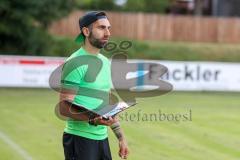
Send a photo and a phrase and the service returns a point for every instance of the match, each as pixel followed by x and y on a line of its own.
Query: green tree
pixel 157 6
pixel 24 23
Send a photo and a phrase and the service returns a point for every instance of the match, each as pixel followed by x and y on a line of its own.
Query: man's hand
pixel 123 149
pixel 101 121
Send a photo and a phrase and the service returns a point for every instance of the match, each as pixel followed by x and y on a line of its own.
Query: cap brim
pixel 80 38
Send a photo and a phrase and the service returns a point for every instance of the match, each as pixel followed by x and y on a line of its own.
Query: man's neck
pixel 90 49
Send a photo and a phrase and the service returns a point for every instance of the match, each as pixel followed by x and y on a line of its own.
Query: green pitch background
pixel 27 118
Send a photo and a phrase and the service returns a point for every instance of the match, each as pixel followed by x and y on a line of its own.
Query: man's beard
pixel 96 42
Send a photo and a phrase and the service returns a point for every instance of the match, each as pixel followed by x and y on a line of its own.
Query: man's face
pixel 99 33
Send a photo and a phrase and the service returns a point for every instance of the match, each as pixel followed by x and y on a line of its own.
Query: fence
pixel 160 27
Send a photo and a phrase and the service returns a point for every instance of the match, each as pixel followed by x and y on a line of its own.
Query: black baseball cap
pixel 88 19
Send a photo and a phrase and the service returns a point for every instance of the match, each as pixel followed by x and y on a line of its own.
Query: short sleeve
pixel 72 75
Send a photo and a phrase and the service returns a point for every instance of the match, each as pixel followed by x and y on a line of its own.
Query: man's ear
pixel 85 31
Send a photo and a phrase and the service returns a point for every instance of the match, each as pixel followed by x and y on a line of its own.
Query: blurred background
pixel 197 40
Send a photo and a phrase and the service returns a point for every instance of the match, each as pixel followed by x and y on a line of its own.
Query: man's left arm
pixel 123 147
pixel 116 128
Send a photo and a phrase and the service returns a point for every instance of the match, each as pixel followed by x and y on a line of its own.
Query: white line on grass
pixel 15 146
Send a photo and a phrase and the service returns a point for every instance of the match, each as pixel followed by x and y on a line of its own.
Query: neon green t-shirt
pixel 83 71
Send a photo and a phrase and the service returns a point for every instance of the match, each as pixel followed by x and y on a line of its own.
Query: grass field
pixel 159 50
pixel 27 119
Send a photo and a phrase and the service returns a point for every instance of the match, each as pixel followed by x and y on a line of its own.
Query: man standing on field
pixel 85 136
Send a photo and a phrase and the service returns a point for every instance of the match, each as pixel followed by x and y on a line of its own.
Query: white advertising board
pixel 27 71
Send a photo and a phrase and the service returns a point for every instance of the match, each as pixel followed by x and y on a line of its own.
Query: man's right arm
pixel 67 110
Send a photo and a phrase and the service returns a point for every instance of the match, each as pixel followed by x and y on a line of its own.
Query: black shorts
pixel 80 148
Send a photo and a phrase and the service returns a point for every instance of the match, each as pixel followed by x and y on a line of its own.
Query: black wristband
pixel 91 120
